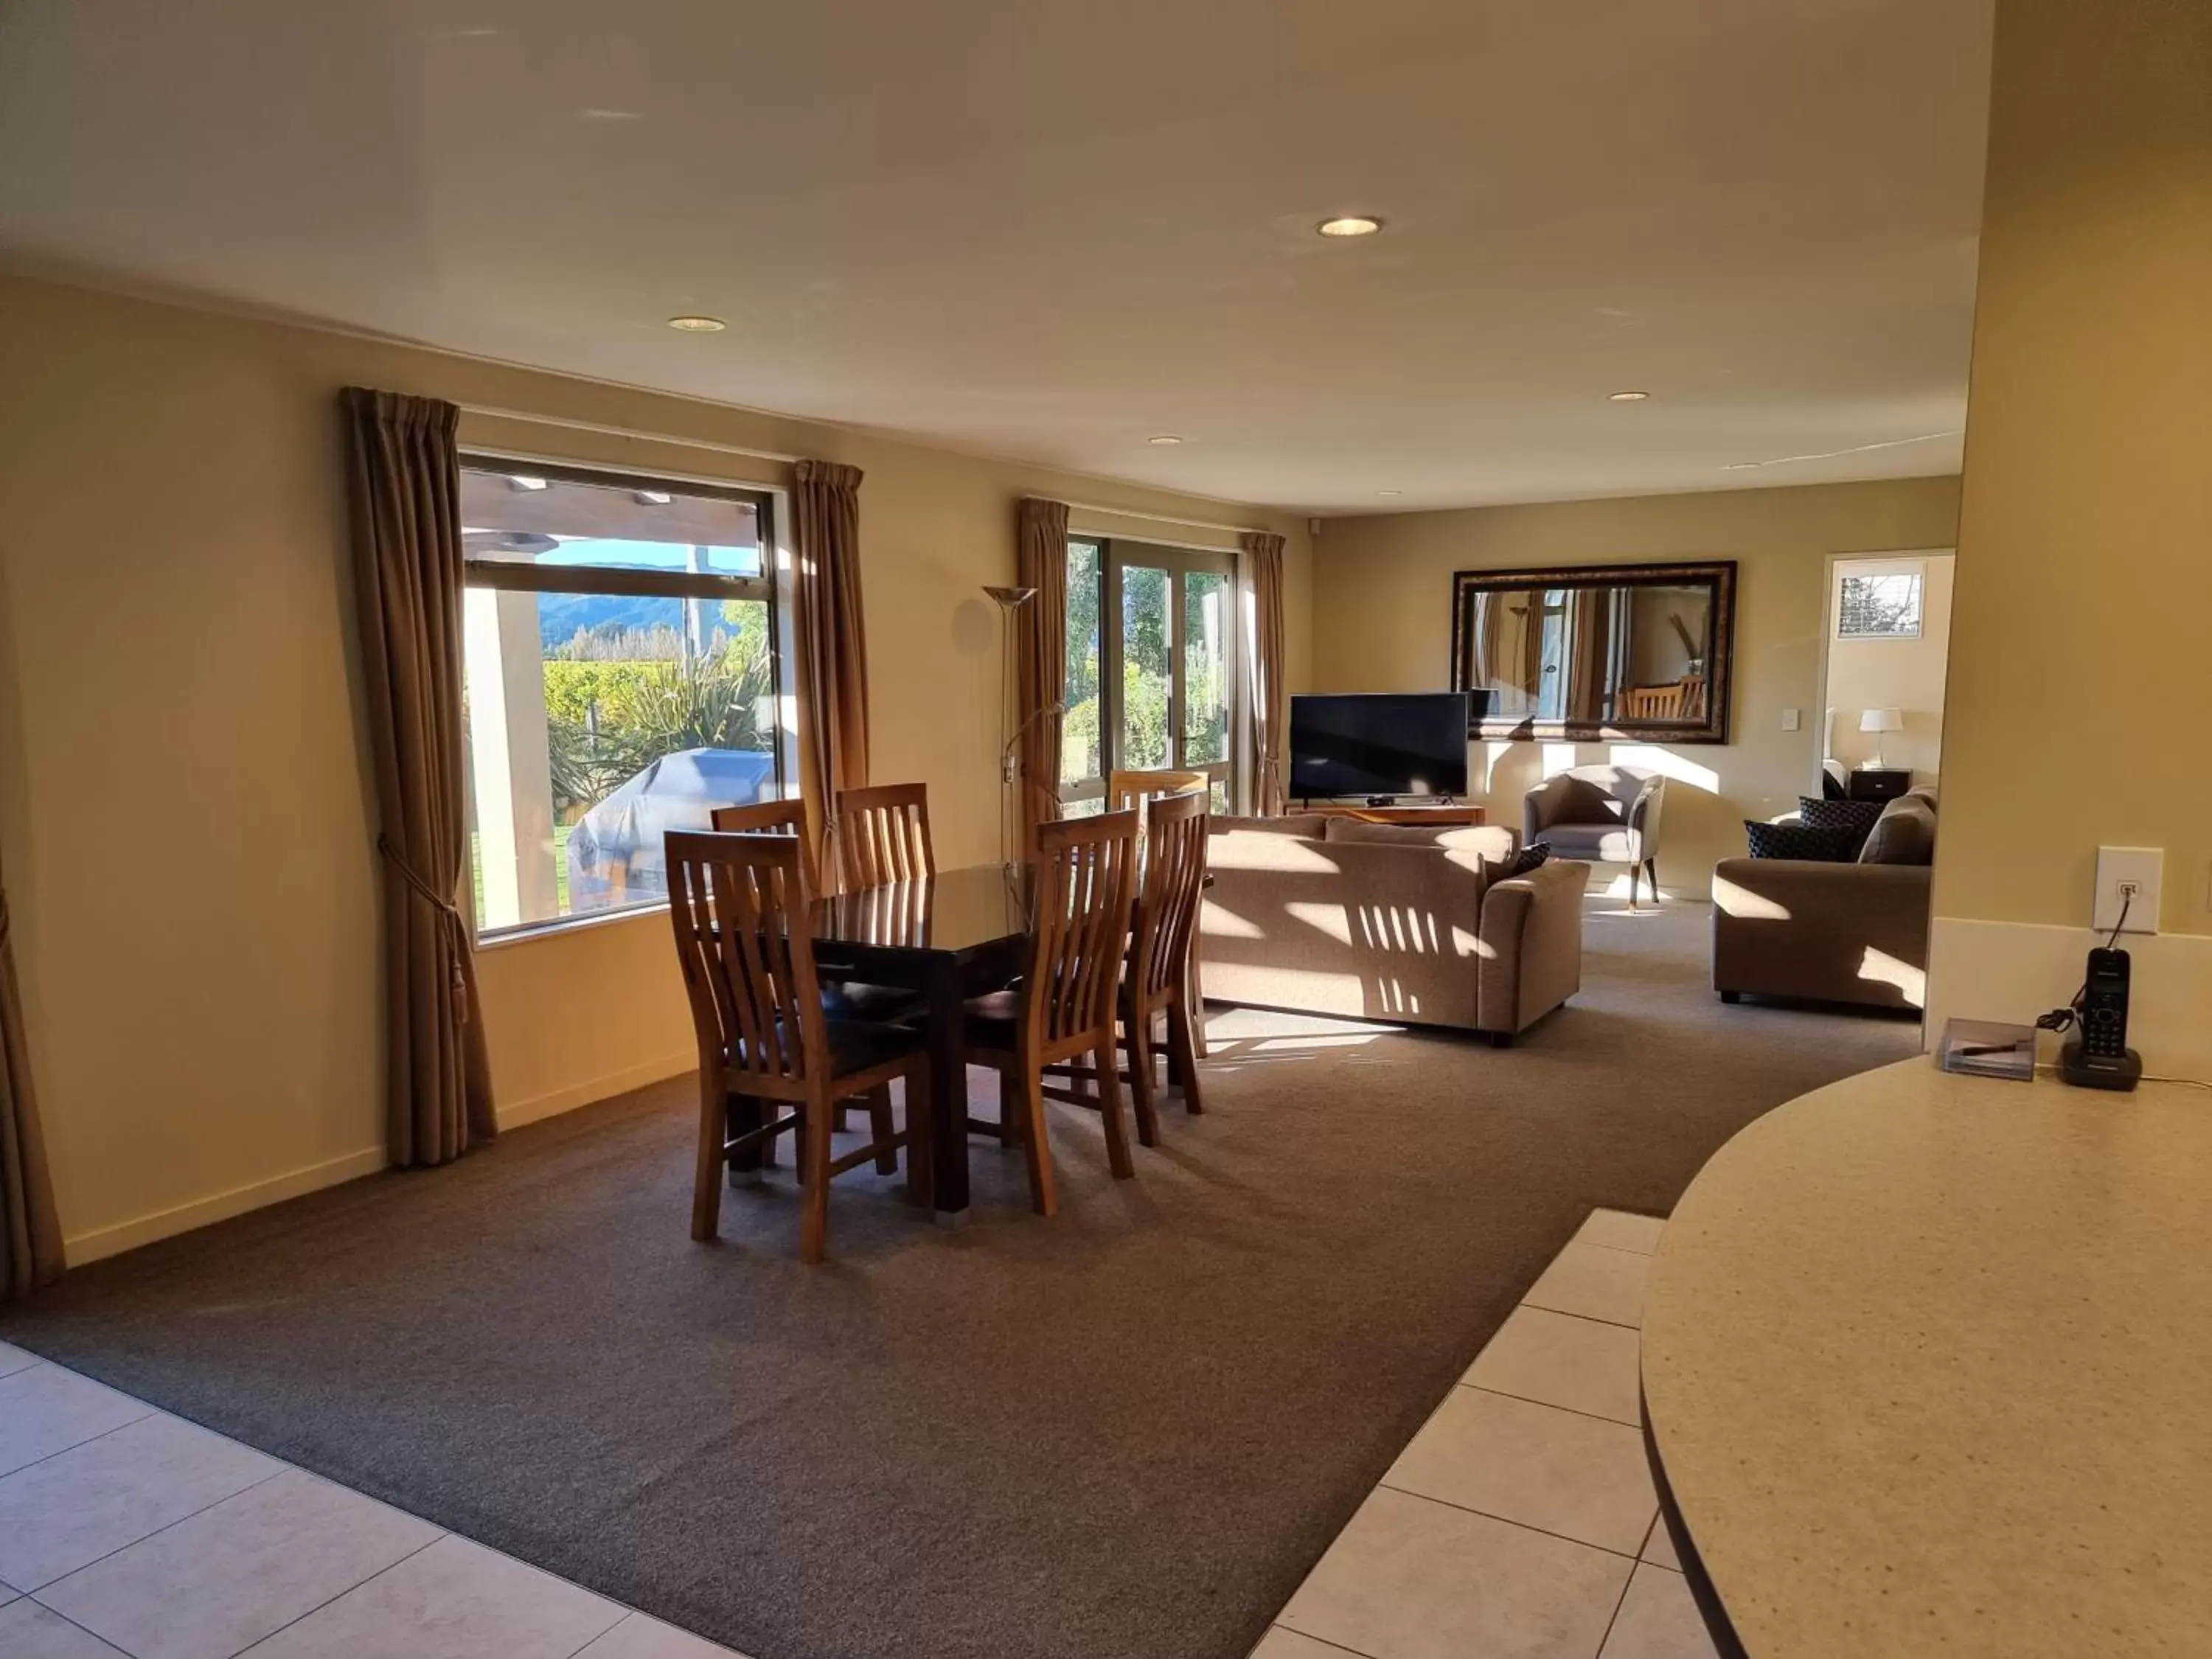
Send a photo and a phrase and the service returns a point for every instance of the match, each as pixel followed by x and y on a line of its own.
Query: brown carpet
pixel 1126 1432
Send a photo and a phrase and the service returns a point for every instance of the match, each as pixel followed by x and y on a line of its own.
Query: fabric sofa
pixel 1331 916
pixel 1855 932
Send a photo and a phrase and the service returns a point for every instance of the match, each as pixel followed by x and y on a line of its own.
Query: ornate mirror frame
pixel 1717 576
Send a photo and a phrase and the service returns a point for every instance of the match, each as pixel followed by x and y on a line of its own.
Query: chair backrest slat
pixel 1084 878
pixel 772 818
pixel 741 906
pixel 1174 884
pixel 1127 788
pixel 883 835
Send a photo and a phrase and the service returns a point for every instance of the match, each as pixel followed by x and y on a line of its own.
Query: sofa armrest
pixel 1531 955
pixel 1845 933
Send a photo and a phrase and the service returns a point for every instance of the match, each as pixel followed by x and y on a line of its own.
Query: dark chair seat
pixel 879 1003
pixel 994 1019
pixel 858 1045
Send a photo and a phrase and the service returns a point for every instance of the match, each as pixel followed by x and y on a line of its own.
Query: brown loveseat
pixel 1330 916
pixel 1831 933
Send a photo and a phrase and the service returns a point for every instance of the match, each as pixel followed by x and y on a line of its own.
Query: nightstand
pixel 1877 782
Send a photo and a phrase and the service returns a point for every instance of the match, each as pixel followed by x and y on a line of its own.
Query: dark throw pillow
pixel 1533 856
pixel 1802 841
pixel 1857 816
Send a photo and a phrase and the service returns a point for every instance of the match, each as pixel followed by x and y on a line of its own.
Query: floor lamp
pixel 1009 600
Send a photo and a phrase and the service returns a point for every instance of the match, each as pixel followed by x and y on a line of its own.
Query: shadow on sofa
pixel 1848 932
pixel 1332 916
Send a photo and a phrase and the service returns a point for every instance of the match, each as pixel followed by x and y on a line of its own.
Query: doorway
pixel 1887 646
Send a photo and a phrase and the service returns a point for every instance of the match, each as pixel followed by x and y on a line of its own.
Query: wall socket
pixel 2127 882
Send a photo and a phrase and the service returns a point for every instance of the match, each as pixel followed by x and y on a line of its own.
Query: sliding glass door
pixel 1151 668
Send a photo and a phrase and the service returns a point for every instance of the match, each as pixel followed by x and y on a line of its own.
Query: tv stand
pixel 1438 814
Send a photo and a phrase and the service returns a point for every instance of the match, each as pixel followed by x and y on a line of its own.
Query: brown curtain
pixel 30 1230
pixel 1040 656
pixel 833 644
pixel 1588 674
pixel 1271 691
pixel 403 482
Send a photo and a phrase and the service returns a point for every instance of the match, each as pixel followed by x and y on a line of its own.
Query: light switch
pixel 2127 882
pixel 1789 720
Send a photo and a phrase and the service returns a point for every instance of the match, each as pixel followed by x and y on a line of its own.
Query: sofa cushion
pixel 1528 858
pixel 1607 843
pixel 1857 816
pixel 1308 824
pixel 1904 834
pixel 1832 844
pixel 1494 843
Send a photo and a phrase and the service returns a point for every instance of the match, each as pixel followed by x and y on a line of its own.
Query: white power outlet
pixel 2127 882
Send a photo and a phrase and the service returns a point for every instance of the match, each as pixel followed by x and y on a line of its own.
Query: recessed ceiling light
pixel 652 497
pixel 1626 397
pixel 1389 492
pixel 1163 440
pixel 1351 224
pixel 521 482
pixel 697 325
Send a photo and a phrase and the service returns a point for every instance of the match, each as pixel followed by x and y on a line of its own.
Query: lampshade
pixel 1882 720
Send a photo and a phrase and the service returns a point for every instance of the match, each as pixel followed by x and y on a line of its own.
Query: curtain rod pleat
pixel 606 431
pixel 1165 517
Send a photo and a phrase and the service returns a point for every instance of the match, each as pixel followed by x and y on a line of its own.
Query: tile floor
pixel 126 1531
pixel 1520 1522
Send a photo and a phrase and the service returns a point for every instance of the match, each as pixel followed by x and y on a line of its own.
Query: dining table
pixel 951 936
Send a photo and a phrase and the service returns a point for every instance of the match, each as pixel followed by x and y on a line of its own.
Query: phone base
pixel 2079 1068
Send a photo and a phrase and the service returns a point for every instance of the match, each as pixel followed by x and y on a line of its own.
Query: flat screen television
pixel 1378 744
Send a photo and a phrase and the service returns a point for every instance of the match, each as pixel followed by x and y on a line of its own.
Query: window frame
pixel 1179 562
pixel 508 576
pixel 1913 571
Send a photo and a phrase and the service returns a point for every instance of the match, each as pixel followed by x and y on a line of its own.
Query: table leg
pixel 948 1094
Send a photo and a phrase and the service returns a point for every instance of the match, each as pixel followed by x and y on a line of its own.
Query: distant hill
pixel 562 616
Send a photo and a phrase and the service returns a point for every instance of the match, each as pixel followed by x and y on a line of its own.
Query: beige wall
pixel 1382 608
pixel 184 808
pixel 2079 697
pixel 1904 674
pixel 2079 691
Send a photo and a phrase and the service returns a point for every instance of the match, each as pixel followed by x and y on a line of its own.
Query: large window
pixel 1151 668
pixel 620 649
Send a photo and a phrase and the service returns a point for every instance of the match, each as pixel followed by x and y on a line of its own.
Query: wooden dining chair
pixel 1128 788
pixel 772 818
pixel 1083 875
pixel 1159 984
pixel 740 905
pixel 1137 789
pixel 845 998
pixel 883 835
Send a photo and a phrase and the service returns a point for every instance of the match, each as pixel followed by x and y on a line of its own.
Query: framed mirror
pixel 1596 653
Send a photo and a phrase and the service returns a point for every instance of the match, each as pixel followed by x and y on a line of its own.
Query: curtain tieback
pixel 456 931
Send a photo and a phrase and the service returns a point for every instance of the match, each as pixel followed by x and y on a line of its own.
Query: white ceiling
pixel 1050 230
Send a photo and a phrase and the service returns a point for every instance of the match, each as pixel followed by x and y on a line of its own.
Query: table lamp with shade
pixel 1879 721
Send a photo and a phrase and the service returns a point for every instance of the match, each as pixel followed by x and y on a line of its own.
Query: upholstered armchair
pixel 1602 815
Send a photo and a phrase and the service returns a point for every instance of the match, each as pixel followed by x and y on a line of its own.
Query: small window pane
pixel 597 723
pixel 1079 735
pixel 1205 668
pixel 1144 667
pixel 518 518
pixel 1884 606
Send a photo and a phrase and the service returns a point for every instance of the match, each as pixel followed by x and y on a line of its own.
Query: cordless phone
pixel 2100 1057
